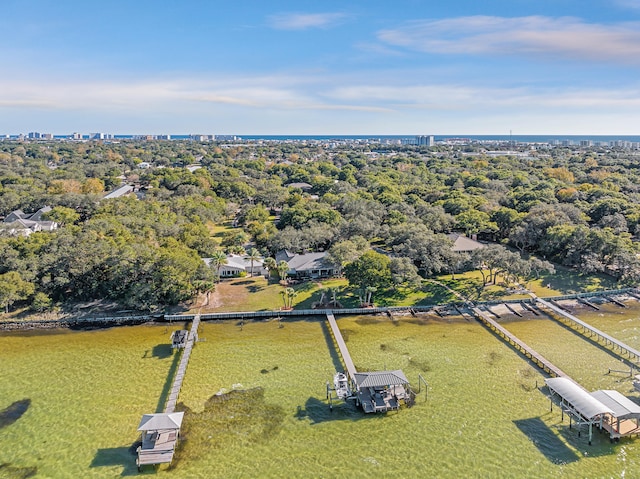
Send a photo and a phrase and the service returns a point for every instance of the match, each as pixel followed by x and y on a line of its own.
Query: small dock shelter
pixel 179 338
pixel 608 410
pixel 159 437
pixel 381 391
pixel 378 391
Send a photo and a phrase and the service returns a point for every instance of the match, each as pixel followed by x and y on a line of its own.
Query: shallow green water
pixel 483 416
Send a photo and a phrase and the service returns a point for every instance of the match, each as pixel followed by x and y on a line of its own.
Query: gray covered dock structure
pixel 377 391
pixel 608 410
pixel 381 391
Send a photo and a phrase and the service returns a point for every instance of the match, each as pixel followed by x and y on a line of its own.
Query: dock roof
pixel 380 379
pixel 621 406
pixel 161 421
pixel 581 400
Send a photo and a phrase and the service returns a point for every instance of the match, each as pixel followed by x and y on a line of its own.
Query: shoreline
pixel 447 312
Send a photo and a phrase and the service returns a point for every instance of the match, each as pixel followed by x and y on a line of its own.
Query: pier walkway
pixel 160 432
pixel 608 340
pixel 344 352
pixel 538 359
pixel 182 368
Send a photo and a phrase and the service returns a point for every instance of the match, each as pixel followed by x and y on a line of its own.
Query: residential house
pixel 308 265
pixel 19 223
pixel 463 244
pixel 117 193
pixel 238 265
pixel 300 185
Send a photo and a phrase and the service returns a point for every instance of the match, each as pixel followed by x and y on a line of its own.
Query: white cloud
pixel 304 21
pixel 309 103
pixel 469 97
pixel 564 37
pixel 267 92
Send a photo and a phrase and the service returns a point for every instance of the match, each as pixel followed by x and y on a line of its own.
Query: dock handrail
pixel 182 368
pixel 537 358
pixel 344 351
pixel 606 337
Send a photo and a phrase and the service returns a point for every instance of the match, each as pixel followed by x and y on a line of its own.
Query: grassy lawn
pixel 563 281
pixel 255 294
pixel 217 230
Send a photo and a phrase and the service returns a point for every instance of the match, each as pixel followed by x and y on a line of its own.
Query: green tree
pixel 372 269
pixel 404 273
pixel 13 288
pixel 41 302
pixel 62 215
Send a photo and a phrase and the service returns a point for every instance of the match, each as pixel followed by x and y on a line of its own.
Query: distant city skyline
pixel 308 68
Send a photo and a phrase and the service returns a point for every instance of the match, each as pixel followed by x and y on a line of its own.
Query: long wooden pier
pixel 344 351
pixel 608 340
pixel 160 431
pixel 182 368
pixel 535 357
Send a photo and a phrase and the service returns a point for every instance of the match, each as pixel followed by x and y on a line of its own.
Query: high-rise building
pixel 425 140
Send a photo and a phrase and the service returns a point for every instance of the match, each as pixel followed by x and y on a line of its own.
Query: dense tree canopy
pixel 576 207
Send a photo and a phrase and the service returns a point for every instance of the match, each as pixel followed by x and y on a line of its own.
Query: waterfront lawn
pixel 258 293
pixel 563 281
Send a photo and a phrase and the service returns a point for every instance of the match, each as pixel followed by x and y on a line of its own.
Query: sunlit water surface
pixel 482 417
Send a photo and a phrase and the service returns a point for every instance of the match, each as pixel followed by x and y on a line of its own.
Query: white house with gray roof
pixel 237 265
pixel 308 265
pixel 19 223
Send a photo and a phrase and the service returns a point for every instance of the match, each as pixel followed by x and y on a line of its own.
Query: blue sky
pixel 303 67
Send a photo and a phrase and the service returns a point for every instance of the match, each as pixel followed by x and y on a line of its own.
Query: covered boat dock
pixel 608 410
pixel 378 391
pixel 381 391
pixel 160 431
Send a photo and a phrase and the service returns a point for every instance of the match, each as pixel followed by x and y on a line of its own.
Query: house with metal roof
pixel 118 192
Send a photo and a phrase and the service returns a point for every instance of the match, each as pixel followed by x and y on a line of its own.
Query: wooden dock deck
pixel 344 351
pixel 182 368
pixel 607 340
pixel 535 357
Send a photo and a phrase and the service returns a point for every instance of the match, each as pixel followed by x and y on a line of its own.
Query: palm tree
pixel 253 255
pixel 283 268
pixel 369 293
pixel 270 264
pixel 334 292
pixel 291 293
pixel 218 259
